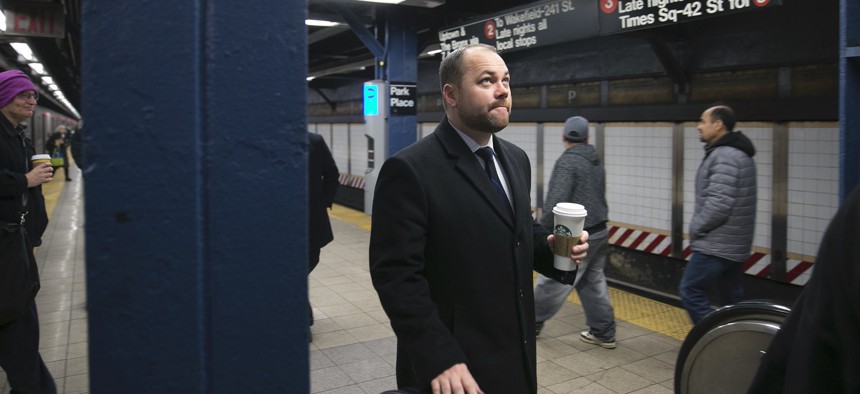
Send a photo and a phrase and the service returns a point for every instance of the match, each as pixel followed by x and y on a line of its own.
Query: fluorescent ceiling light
pixel 384 1
pixel 39 68
pixel 311 78
pixel 47 80
pixel 433 52
pixel 2 20
pixel 24 50
pixel 321 23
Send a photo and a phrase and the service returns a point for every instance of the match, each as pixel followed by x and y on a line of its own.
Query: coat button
pixel 521 294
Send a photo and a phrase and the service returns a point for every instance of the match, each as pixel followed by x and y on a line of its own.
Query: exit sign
pixel 35 20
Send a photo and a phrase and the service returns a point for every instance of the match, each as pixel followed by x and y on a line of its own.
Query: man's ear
pixel 449 95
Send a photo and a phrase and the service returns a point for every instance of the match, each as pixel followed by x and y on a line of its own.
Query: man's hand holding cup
pixel 569 240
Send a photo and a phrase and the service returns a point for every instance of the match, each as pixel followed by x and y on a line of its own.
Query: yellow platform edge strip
pixel 634 309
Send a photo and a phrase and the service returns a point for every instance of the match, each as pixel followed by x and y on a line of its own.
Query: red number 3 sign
pixel 608 6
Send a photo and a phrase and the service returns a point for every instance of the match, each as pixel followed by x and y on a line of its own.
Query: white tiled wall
pixel 358 161
pixel 813 186
pixel 638 160
pixel 340 146
pixel 524 135
pixel 552 149
pixel 425 129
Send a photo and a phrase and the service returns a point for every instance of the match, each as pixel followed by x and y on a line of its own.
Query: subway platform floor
pixel 353 348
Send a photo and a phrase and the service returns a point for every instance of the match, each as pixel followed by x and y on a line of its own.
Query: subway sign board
pixel 555 21
pixel 402 98
pixel 618 16
pixel 537 24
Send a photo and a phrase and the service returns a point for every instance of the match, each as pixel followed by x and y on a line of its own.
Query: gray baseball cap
pixel 576 128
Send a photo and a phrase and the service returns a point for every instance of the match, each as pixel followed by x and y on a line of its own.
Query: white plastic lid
pixel 569 209
pixel 37 157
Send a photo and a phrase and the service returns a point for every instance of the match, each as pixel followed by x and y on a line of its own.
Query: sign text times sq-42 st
pixel 555 21
pixel 617 16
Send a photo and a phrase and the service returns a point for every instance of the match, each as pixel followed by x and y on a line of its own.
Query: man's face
pixel 21 107
pixel 482 100
pixel 710 130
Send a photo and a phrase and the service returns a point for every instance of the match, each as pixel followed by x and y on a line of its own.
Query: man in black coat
pixel 21 201
pixel 56 146
pixel 453 244
pixel 817 349
pixel 322 188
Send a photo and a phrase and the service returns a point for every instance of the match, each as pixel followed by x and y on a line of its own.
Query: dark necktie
pixel 486 153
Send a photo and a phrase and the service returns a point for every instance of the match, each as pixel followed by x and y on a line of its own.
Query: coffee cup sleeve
pixel 563 245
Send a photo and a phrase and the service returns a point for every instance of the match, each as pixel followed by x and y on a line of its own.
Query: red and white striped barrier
pixel 353 181
pixel 758 264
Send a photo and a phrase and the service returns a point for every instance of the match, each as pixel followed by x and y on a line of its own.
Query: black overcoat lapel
pixel 467 164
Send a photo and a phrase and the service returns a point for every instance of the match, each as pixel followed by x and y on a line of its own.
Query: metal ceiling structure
pixel 337 57
pixel 61 56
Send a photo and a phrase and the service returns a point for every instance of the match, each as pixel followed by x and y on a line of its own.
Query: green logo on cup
pixel 561 229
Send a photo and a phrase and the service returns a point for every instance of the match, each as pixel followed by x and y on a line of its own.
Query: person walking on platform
pixel 721 229
pixel 817 348
pixel 56 147
pixel 322 188
pixel 23 219
pixel 578 176
pixel 453 245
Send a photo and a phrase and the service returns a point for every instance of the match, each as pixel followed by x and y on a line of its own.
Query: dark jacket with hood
pixel 724 218
pixel 578 177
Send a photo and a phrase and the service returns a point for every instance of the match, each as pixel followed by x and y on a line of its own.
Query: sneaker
pixel 587 337
pixel 538 327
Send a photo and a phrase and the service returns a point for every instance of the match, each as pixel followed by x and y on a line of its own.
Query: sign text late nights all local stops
pixel 536 24
pixel 555 21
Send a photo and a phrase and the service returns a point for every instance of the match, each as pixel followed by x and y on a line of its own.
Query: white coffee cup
pixel 39 159
pixel 569 221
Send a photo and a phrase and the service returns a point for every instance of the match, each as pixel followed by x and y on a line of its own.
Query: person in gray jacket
pixel 579 177
pixel 721 230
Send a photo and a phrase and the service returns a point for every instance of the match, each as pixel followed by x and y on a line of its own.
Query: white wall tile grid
pixel 638 159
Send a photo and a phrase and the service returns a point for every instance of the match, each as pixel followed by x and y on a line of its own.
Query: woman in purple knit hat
pixel 22 221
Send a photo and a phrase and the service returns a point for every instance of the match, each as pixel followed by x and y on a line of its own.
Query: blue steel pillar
pixel 401 66
pixel 849 96
pixel 196 195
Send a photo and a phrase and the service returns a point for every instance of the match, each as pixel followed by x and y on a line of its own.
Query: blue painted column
pixel 196 195
pixel 401 66
pixel 849 96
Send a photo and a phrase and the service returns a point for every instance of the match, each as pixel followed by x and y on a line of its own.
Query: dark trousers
pixel 20 358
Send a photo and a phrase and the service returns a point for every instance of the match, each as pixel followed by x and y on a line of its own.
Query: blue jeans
pixel 590 286
pixel 702 273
